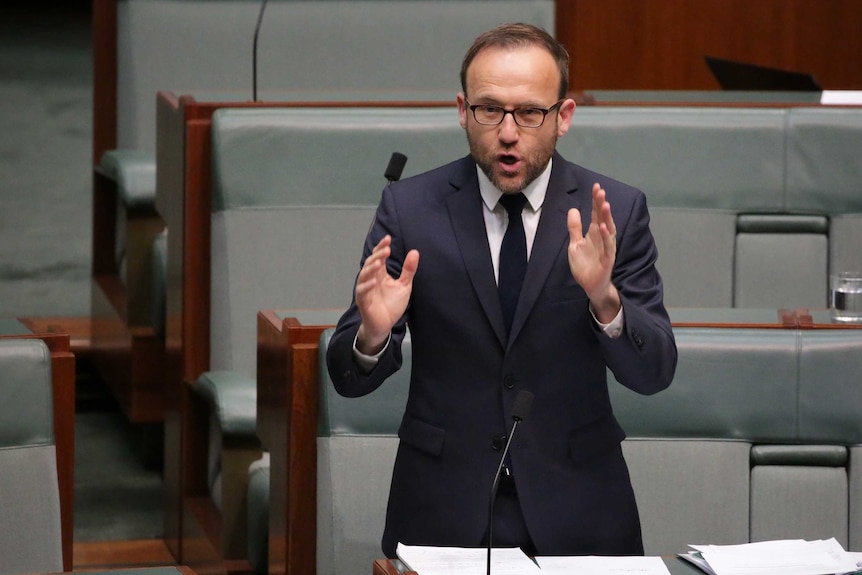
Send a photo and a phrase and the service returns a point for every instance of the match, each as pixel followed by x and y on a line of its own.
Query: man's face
pixel 510 155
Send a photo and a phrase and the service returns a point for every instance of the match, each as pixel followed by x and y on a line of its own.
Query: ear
pixel 564 116
pixel 462 109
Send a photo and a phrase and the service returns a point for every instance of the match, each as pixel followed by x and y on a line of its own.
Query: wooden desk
pixel 63 386
pixel 675 565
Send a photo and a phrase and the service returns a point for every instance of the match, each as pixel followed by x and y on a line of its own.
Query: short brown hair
pixel 519 35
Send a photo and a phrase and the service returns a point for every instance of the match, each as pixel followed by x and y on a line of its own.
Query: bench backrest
pixel 30 526
pixel 294 195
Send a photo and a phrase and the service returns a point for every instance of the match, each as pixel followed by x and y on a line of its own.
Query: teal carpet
pixel 45 157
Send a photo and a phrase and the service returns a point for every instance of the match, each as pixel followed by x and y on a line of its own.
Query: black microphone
pixel 254 52
pixel 395 167
pixel 520 411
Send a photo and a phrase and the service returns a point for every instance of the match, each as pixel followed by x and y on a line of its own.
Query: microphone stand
pixel 494 486
pixel 254 51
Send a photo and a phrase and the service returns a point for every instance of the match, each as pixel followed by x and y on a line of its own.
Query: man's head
pixel 511 36
pixel 513 78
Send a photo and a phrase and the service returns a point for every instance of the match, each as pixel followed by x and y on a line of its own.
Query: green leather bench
pixel 751 207
pixel 295 189
pixel 759 437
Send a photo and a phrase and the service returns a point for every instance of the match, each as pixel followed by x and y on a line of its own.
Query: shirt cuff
pixel 368 362
pixel 614 328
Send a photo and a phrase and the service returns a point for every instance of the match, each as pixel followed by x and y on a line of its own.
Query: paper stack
pixel 781 557
pixel 428 560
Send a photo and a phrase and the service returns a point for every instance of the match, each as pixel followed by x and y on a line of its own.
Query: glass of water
pixel 845 299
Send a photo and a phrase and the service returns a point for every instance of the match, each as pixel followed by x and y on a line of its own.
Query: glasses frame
pixel 513 111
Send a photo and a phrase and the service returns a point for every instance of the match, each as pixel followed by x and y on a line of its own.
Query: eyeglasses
pixel 526 117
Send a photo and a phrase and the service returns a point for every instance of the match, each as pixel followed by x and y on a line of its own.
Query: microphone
pixel 392 173
pixel 254 51
pixel 520 411
pixel 395 167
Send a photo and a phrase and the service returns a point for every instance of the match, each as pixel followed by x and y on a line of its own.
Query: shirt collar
pixel 535 191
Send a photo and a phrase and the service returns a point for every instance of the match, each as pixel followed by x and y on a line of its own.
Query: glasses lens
pixel 529 117
pixel 491 115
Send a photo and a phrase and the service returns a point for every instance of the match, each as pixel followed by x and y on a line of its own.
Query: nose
pixel 508 128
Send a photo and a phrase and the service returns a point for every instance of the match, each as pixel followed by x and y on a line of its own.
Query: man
pixel 587 302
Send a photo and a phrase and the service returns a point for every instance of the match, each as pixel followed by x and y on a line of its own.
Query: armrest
pixel 134 171
pixel 233 398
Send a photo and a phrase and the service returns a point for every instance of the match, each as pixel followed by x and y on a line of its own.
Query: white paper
pixel 841 97
pixel 428 560
pixel 781 557
pixel 596 565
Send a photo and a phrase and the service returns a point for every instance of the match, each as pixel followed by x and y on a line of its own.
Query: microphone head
pixel 522 405
pixel 395 167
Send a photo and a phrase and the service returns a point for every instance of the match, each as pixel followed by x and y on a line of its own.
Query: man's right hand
pixel 382 299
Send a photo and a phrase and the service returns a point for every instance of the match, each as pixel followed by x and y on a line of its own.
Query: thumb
pixel 573 222
pixel 408 269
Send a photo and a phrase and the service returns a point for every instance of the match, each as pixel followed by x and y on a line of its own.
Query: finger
pixel 608 220
pixel 598 200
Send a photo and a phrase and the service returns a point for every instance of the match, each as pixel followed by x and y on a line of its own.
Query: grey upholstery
pixel 30 529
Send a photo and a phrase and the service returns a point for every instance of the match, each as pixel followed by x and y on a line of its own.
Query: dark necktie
pixel 513 256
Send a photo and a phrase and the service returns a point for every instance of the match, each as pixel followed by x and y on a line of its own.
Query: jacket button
pixel 499 442
pixel 509 381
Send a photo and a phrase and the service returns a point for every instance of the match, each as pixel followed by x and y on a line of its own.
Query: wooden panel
pixel 660 45
pixel 288 361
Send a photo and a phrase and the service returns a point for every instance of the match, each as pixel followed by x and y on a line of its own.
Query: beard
pixel 533 163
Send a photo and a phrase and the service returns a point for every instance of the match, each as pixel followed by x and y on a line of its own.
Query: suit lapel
pixel 552 236
pixel 465 211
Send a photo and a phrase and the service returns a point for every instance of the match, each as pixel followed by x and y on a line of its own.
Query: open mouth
pixel 508 160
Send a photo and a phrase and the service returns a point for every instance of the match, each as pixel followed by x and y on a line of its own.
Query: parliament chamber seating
pixel 31 530
pixel 750 207
pixel 748 204
pixel 758 438
pixel 209 48
pixel 292 199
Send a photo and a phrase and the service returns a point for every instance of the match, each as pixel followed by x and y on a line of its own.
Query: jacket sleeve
pixel 644 357
pixel 348 377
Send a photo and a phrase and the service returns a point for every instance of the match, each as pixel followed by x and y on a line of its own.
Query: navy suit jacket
pixel 572 481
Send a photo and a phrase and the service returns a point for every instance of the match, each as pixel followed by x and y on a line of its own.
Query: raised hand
pixel 592 255
pixel 382 299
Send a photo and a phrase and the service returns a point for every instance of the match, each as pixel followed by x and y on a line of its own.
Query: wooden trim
pixel 104 77
pixel 287 379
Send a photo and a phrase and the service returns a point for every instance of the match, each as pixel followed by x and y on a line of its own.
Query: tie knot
pixel 514 203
